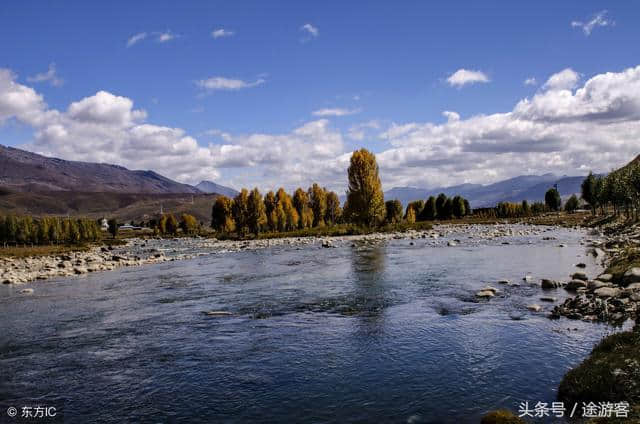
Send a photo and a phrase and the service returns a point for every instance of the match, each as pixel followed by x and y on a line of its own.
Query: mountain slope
pixel 211 187
pixel 21 170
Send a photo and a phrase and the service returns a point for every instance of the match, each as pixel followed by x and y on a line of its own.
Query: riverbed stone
pixel 631 276
pixel 579 276
pixel 486 294
pixel 605 277
pixel 550 284
pixel 534 308
pixel 606 292
pixel 574 285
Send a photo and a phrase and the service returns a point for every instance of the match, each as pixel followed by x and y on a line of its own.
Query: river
pixel 363 332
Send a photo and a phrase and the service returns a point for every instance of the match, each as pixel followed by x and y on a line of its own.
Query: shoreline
pixel 146 251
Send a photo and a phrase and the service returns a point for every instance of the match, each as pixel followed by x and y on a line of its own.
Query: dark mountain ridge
pixel 25 171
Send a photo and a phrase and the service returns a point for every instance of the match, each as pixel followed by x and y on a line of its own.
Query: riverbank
pixel 612 370
pixel 138 251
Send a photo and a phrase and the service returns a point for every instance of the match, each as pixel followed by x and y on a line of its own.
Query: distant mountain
pixel 525 187
pixel 211 187
pixel 24 171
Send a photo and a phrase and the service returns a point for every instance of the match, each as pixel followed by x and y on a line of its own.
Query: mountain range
pixel 211 187
pixel 525 187
pixel 37 184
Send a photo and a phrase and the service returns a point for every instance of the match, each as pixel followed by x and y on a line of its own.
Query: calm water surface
pixel 389 332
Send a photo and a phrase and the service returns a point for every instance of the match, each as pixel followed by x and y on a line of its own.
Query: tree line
pixel 47 230
pixel 251 212
pixel 619 190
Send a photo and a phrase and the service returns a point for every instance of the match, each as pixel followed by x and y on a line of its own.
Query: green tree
pixel 526 209
pixel 440 206
pixel 572 204
pixel 394 211
pixel 458 207
pixel 447 209
pixel 589 194
pixel 113 227
pixel 552 199
pixel 429 212
pixel 467 207
pixel 365 200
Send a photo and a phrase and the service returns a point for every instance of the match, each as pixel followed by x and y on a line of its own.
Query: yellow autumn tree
pixel 365 200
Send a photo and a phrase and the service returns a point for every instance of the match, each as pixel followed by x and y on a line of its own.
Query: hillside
pixel 29 172
pixel 123 206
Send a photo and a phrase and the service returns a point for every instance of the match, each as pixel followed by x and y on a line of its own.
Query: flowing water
pixel 383 332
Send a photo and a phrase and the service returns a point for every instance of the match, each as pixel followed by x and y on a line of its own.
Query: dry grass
pixel 26 251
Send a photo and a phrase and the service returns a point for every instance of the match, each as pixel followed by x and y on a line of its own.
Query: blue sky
pixel 382 66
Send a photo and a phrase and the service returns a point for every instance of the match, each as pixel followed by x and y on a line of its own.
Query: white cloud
pixel 221 32
pixel 598 20
pixel 562 130
pixel 227 84
pixel 136 38
pixel 359 131
pixel 164 37
pixel 463 77
pixel 530 81
pixel 563 80
pixel 335 112
pixel 310 32
pixel 451 116
pixel 50 76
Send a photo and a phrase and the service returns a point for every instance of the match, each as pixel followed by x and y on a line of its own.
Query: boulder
pixel 605 292
pixel 595 285
pixel 605 277
pixel 574 285
pixel 534 308
pixel 633 287
pixel 550 284
pixel 505 282
pixel 548 299
pixel 26 291
pixel 580 276
pixel 581 265
pixel 631 276
pixel 486 294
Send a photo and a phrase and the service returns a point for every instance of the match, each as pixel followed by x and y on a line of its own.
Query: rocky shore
pixel 138 251
pixel 612 297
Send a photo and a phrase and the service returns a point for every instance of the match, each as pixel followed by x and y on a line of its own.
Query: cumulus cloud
pixel 463 77
pixel 530 81
pixel 227 84
pixel 598 20
pixel 563 80
pixel 359 131
pixel 335 112
pixel 134 39
pixel 221 33
pixel 595 125
pixel 49 76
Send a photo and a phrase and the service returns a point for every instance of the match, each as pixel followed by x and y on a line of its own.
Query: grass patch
pixel 26 251
pixel 610 374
